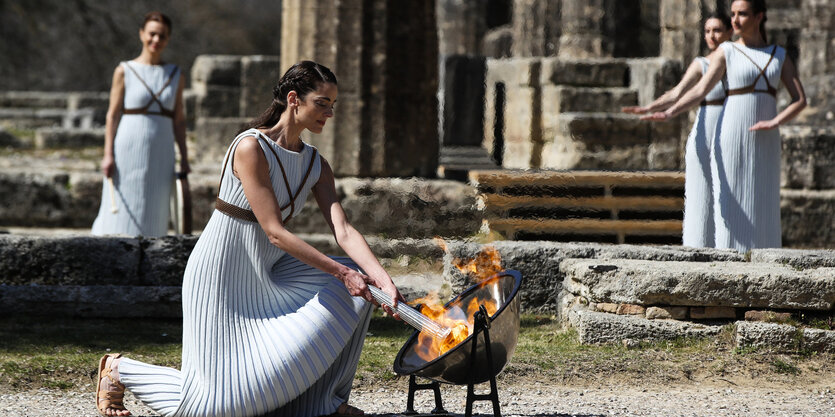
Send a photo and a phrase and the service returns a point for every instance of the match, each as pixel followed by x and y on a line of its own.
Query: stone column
pixel 536 27
pixel 385 56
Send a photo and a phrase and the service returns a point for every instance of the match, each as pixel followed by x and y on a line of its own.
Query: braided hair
pixel 303 78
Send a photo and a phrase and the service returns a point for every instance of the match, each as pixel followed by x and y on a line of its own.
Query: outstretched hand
pixel 764 125
pixel 634 109
pixel 656 117
pixel 389 288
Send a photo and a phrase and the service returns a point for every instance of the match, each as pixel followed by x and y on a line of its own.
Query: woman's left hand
pixel 389 288
pixel 764 125
pixel 184 167
pixel 656 117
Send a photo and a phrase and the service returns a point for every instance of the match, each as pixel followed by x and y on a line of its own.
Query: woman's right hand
pixel 108 166
pixel 357 284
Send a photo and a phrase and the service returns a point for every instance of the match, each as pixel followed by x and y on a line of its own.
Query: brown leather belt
pixel 750 89
pixel 235 211
pixel 164 112
pixel 717 102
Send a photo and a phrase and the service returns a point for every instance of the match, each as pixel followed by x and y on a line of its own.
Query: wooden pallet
pixel 618 207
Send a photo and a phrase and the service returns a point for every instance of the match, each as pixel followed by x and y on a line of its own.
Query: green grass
pixel 62 353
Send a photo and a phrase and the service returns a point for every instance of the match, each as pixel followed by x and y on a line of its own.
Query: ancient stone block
pixel 217 101
pixel 719 284
pixel 221 70
pixel 712 312
pixel 498 43
pixel 806 218
pixel 62 138
pixel 523 72
pixel 767 316
pixel 91 301
pixel 808 158
pixel 74 260
pixel 593 328
pixel 630 310
pixel 796 258
pixel 667 312
pixel 164 260
pixel 259 74
pixel 771 336
pixel 606 307
pixel 586 99
pixel 213 135
pixel 521 137
pixel 819 340
pixel 585 73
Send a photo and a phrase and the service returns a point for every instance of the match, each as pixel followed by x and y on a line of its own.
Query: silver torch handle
pixel 411 316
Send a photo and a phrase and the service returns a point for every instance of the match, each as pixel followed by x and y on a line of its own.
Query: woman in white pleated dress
pixel 271 326
pixel 145 119
pixel 746 149
pixel 698 190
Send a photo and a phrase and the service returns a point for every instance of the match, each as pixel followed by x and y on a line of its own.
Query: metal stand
pixel 481 323
pixel 414 387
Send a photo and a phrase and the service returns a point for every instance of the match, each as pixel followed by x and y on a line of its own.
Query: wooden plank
pixel 587 226
pixel 496 203
pixel 504 178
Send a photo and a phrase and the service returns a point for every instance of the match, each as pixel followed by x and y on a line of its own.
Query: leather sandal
pixel 109 399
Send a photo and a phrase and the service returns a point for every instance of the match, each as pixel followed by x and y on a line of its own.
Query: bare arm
pixel 114 115
pixel 348 238
pixel 715 71
pixel 691 77
pixel 252 169
pixel 792 82
pixel 180 126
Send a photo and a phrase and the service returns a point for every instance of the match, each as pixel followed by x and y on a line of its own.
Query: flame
pixel 457 317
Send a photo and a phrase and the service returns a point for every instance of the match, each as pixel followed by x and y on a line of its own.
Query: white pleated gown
pixel 144 154
pixel 698 185
pixel 263 333
pixel 746 180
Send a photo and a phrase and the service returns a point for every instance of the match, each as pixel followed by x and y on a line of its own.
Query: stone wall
pixel 55 45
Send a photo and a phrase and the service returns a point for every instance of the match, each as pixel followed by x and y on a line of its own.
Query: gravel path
pixel 518 400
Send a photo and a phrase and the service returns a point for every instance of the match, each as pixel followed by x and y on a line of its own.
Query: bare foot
pixel 345 409
pixel 110 392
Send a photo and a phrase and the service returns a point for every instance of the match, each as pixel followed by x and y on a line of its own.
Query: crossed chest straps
pixel 751 88
pixel 154 96
pixel 248 215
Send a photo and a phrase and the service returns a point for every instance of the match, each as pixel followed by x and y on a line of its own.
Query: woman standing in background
pixel 144 120
pixel 698 186
pixel 746 174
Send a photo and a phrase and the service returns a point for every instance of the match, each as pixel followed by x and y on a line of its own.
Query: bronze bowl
pixel 456 366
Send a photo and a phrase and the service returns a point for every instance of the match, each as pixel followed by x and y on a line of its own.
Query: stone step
pixel 38 117
pixel 455 162
pixel 606 182
pixel 562 99
pixel 55 99
pixel 783 337
pixel 593 230
pixel 599 328
pixel 722 284
pixel 611 141
pixel 602 72
pixel 68 138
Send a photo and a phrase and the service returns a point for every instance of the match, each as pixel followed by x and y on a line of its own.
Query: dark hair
pixel 759 6
pixel 303 78
pixel 157 17
pixel 722 17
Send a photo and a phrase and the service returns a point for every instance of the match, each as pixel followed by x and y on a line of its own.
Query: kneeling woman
pixel 270 324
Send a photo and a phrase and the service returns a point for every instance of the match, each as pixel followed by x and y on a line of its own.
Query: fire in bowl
pixel 458 365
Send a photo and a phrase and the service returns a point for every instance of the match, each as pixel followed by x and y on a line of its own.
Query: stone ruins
pixel 434 95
